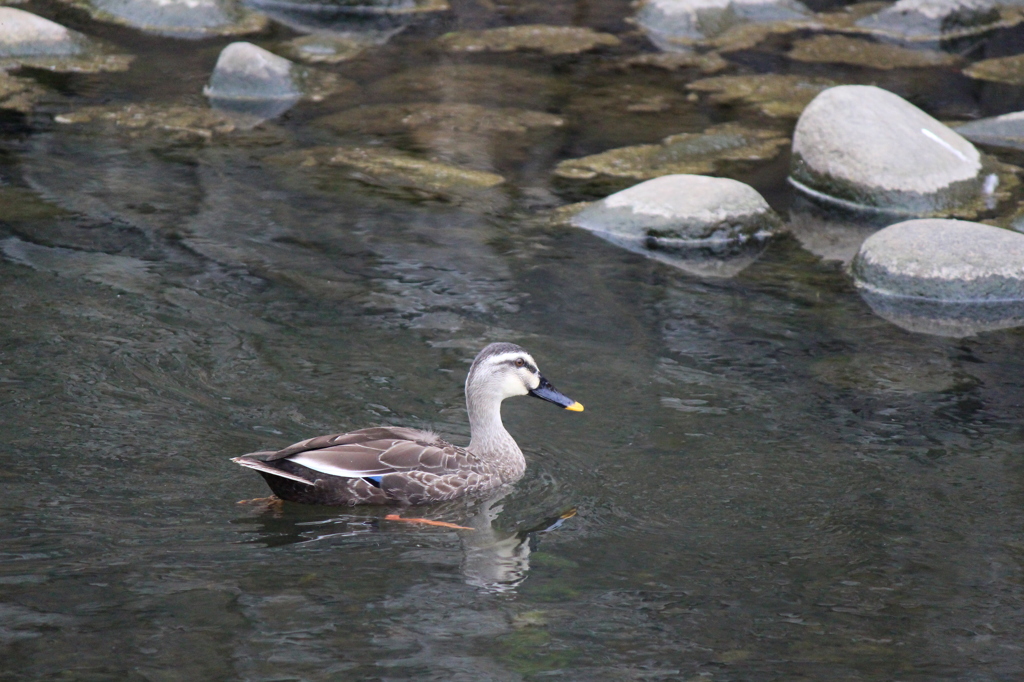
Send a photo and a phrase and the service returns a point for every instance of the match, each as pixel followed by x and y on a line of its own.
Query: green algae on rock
pixel 383 119
pixel 391 168
pixel 194 19
pixel 478 83
pixel 27 40
pixel 18 94
pixel 685 153
pixel 174 123
pixel 551 40
pixel 709 62
pixel 1001 70
pixel 778 96
pixel 836 49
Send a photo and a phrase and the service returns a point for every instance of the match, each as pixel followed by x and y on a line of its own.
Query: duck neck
pixel 488 437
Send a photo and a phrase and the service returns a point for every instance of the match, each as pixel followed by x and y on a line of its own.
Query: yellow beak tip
pixel 575 407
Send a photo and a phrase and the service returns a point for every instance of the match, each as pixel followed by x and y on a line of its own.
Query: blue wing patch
pixel 373 480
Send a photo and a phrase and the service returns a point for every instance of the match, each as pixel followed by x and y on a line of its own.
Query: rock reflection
pixel 945 318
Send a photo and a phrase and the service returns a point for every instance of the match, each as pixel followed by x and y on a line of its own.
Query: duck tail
pixel 250 462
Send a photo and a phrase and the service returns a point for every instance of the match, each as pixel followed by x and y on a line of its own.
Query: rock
pixel 252 81
pixel 953 261
pixel 329 48
pixel 686 153
pixel 389 168
pixel 692 221
pixel 1002 70
pixel 177 18
pixel 18 94
pixel 550 40
pixel 778 96
pixel 1000 131
pixel 676 25
pixel 378 19
pixel 32 41
pixel 164 124
pixel 383 119
pixel 835 49
pixel 863 148
pixel 945 277
pixel 931 21
pixel 710 62
pixel 477 83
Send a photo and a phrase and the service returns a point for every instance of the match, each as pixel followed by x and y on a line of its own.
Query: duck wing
pixel 377 452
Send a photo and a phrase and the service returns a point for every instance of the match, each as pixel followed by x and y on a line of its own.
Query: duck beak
pixel 545 391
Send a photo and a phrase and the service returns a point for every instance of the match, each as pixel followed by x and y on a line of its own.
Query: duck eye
pixel 520 362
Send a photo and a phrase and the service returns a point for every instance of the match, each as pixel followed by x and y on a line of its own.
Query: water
pixel 770 482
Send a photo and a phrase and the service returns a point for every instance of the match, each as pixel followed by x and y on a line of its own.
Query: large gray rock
pixel 30 40
pixel 945 260
pixel 945 277
pixel 177 18
pixel 1000 131
pixel 862 147
pixel 709 226
pixel 674 25
pixel 249 80
pixel 931 21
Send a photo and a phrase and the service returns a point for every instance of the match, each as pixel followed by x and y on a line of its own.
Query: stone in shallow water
pixel 686 153
pixel 1000 131
pixel 18 94
pixel 177 18
pixel 327 48
pixel 453 116
pixel 675 25
pixel 863 148
pixel 171 123
pixel 250 80
pixel 548 39
pixel 693 221
pixel 931 21
pixel 478 83
pixel 710 62
pixel 833 49
pixel 1002 70
pixel 380 18
pixel 776 95
pixel 946 277
pixel 30 40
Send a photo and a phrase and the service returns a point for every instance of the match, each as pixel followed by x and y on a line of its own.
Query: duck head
pixel 504 370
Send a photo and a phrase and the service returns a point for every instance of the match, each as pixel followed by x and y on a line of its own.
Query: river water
pixel 769 481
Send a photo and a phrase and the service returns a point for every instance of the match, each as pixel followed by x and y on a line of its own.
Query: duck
pixel 395 465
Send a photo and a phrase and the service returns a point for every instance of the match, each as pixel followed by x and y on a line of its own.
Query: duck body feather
pixel 403 466
pixel 381 466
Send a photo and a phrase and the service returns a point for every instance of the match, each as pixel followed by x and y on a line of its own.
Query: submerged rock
pixel 1002 70
pixel 695 222
pixel 379 18
pixel 174 124
pixel 252 81
pixel 834 49
pixel 177 18
pixel 863 148
pixel 18 94
pixel 710 62
pixel 933 21
pixel 550 40
pixel 775 95
pixel 676 25
pixel 686 153
pixel 999 131
pixel 391 168
pixel 383 119
pixel 948 277
pixel 30 40
pixel 477 83
pixel 329 48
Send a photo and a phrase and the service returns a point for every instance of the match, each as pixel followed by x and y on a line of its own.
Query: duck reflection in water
pixel 493 559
